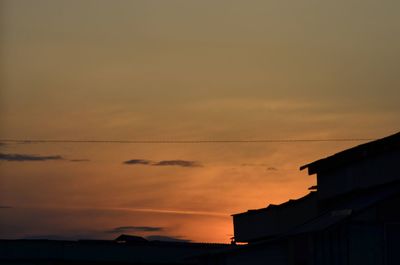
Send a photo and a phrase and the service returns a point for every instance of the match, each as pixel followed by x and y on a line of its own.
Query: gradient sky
pixel 177 70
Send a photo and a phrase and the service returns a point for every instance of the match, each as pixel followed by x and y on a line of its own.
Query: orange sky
pixel 155 70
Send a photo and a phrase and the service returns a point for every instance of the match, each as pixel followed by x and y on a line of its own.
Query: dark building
pixel 351 217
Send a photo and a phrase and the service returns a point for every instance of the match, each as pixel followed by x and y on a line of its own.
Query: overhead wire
pixel 206 141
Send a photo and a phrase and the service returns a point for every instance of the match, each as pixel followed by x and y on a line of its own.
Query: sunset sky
pixel 182 70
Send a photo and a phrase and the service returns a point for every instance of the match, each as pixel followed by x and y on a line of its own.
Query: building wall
pixel 371 237
pixel 329 247
pixel 359 175
pixel 275 220
pixel 388 214
pixel 366 244
pixel 271 254
pixel 392 243
pixel 248 227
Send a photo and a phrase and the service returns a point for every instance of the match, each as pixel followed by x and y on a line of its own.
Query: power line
pixel 209 141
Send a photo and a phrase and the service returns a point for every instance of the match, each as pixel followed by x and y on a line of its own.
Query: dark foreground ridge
pixel 125 249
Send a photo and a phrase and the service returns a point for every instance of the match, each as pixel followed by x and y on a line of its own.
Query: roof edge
pixel 355 153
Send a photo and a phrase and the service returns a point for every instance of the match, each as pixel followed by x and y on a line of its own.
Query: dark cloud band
pixel 167 238
pixel 127 229
pixel 180 163
pixel 138 162
pixel 25 157
pixel 79 160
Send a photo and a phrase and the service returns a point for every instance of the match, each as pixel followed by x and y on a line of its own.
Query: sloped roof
pixel 289 203
pixel 370 149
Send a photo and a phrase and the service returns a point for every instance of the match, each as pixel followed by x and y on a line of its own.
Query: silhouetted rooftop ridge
pixel 355 154
pixel 288 203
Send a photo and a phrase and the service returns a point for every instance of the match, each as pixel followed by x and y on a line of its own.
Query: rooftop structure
pixel 350 217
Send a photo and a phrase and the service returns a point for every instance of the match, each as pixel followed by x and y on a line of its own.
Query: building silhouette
pixel 351 217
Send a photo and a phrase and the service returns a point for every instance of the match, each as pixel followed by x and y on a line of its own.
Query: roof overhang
pixel 354 154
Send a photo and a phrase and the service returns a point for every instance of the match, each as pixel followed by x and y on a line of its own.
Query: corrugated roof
pixel 354 154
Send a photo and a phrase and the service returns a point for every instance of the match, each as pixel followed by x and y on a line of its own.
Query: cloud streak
pixel 271 168
pixel 167 238
pixel 145 210
pixel 79 160
pixel 138 162
pixel 179 163
pixel 127 229
pixel 27 157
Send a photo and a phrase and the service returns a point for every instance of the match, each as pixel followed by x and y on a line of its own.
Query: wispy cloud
pixel 138 162
pixel 253 165
pixel 27 157
pixel 179 163
pixel 48 237
pixel 167 238
pixel 146 210
pixel 30 157
pixel 79 160
pixel 87 234
pixel 255 104
pixel 172 211
pixel 259 165
pixel 127 229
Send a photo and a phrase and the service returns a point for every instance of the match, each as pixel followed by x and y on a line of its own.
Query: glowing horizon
pixel 182 70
